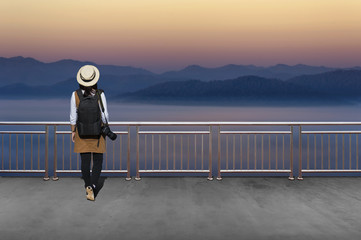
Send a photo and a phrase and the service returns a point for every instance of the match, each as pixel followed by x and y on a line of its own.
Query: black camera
pixel 107 132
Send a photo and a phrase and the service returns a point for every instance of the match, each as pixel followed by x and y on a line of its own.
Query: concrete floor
pixel 182 208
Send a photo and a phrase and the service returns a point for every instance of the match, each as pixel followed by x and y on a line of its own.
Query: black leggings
pixel 85 167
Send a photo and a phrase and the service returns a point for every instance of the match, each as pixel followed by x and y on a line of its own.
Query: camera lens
pixel 107 132
pixel 112 135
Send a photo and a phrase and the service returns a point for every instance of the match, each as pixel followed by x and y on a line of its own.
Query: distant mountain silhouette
pixel 242 88
pixel 27 78
pixel 339 82
pixel 112 85
pixel 280 71
pixel 33 72
pixel 333 87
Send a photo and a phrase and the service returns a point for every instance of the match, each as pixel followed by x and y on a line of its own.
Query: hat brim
pixel 90 83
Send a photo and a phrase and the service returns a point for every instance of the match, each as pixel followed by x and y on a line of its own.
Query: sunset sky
pixel 162 35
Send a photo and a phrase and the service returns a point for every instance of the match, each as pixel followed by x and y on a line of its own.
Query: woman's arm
pixel 105 108
pixel 73 115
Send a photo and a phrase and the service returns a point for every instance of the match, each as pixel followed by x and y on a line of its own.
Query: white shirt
pixel 74 115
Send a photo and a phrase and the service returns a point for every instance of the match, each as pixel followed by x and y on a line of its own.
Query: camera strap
pixel 102 108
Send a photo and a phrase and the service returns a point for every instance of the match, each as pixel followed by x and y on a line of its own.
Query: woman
pixel 88 144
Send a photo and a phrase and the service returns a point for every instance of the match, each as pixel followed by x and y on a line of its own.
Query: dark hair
pixel 88 89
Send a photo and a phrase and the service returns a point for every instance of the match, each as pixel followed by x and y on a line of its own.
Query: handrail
pixel 255 132
pixel 175 123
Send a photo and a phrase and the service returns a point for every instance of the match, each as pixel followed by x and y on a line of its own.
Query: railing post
pixel 128 178
pixel 9 151
pixel 210 154
pixel 55 177
pixel 300 155
pixel 219 154
pixel 291 157
pixel 137 177
pixel 46 176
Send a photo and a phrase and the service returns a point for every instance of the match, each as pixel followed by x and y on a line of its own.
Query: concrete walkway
pixel 182 208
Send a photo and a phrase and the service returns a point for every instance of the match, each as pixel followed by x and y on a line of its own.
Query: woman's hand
pixel 73 136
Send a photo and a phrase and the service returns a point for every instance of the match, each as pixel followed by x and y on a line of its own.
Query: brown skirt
pixel 82 145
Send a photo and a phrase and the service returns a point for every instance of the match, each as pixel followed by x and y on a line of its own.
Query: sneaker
pixel 95 190
pixel 89 193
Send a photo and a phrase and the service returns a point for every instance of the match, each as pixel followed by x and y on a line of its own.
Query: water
pixel 58 110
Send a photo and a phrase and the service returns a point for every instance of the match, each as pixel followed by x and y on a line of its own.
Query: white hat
pixel 88 75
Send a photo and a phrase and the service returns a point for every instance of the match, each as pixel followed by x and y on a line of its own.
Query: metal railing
pixel 177 165
pixel 322 155
pixel 187 148
pixel 25 166
pixel 256 160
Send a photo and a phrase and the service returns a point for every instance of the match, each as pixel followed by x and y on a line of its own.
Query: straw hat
pixel 88 75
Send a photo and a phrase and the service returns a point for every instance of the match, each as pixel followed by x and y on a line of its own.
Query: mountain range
pixel 33 72
pixel 28 78
pixel 337 83
pixel 279 71
pixel 332 87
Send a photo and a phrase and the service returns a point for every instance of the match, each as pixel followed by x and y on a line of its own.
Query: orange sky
pixel 171 34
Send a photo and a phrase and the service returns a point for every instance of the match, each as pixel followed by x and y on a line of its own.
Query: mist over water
pixel 58 110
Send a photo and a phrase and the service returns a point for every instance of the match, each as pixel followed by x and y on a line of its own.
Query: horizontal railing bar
pixel 22 171
pixel 68 132
pixel 22 132
pixel 255 171
pixel 330 132
pixel 232 123
pixel 255 132
pixel 34 123
pixel 103 171
pixel 114 171
pixel 173 132
pixel 173 171
pixel 189 123
pixel 330 170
